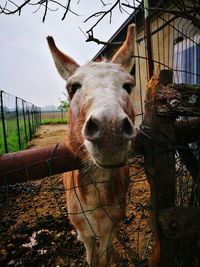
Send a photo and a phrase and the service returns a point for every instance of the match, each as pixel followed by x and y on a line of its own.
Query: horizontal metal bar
pixel 36 163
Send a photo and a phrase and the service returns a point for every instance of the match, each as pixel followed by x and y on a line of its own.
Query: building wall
pixel 163 43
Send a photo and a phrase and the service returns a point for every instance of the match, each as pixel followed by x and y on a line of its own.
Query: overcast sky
pixel 26 66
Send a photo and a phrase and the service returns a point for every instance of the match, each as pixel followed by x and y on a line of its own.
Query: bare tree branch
pixel 91 38
pixel 9 10
pixel 53 5
pixel 189 10
pixel 64 7
pixel 6 11
pixel 45 11
pixel 67 9
pixel 102 14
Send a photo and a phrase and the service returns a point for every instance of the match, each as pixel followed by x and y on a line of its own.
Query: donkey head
pixel 100 117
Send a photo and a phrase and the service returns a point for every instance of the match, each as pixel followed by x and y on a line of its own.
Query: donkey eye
pixel 128 87
pixel 74 87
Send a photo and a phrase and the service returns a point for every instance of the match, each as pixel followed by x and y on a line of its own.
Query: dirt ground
pixel 34 226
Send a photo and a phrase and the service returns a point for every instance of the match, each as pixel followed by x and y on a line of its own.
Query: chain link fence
pixel 19 121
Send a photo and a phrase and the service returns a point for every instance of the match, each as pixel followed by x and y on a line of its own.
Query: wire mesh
pixel 35 227
pixel 18 123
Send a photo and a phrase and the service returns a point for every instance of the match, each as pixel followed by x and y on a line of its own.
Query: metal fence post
pixel 18 128
pixel 3 124
pixel 24 118
pixel 29 124
pixel 147 26
pixel 33 118
pixel 37 117
pixel 40 115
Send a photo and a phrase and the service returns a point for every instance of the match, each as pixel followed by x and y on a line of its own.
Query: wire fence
pixel 35 228
pixel 53 117
pixel 19 121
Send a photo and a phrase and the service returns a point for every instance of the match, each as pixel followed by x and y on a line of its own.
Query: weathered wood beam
pixel 159 150
pixel 159 159
pixel 159 155
pixel 175 100
pixel 180 228
pixel 179 222
pixel 186 131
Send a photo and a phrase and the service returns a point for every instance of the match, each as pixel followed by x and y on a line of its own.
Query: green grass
pixel 53 118
pixel 53 121
pixel 12 135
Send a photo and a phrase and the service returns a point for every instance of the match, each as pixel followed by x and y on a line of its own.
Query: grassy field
pixel 12 136
pixel 53 118
pixel 12 131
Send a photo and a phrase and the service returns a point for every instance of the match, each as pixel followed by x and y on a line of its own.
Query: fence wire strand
pixel 19 121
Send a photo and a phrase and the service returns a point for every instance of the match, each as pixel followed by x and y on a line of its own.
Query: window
pixel 186 60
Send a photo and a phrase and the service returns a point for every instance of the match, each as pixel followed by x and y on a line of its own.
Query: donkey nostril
pixel 127 128
pixel 91 129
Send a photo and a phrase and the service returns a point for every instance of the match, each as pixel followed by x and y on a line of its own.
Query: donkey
pixel 100 132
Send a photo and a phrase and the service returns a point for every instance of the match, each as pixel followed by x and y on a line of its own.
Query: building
pixel 175 42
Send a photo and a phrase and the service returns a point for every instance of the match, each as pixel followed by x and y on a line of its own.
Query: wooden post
pixel 180 228
pixel 159 149
pixel 159 156
pixel 176 229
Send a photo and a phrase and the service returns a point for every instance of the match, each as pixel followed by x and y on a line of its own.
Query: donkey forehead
pixel 97 74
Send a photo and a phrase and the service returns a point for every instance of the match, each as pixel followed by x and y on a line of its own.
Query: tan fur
pixel 103 192
pixel 96 196
pixel 122 56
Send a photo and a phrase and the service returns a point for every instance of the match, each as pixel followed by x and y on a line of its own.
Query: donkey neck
pixel 109 184
pixel 95 176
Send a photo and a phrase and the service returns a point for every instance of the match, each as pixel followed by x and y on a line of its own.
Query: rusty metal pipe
pixel 36 163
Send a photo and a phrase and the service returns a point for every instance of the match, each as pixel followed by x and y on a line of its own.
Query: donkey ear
pixel 66 66
pixel 125 54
